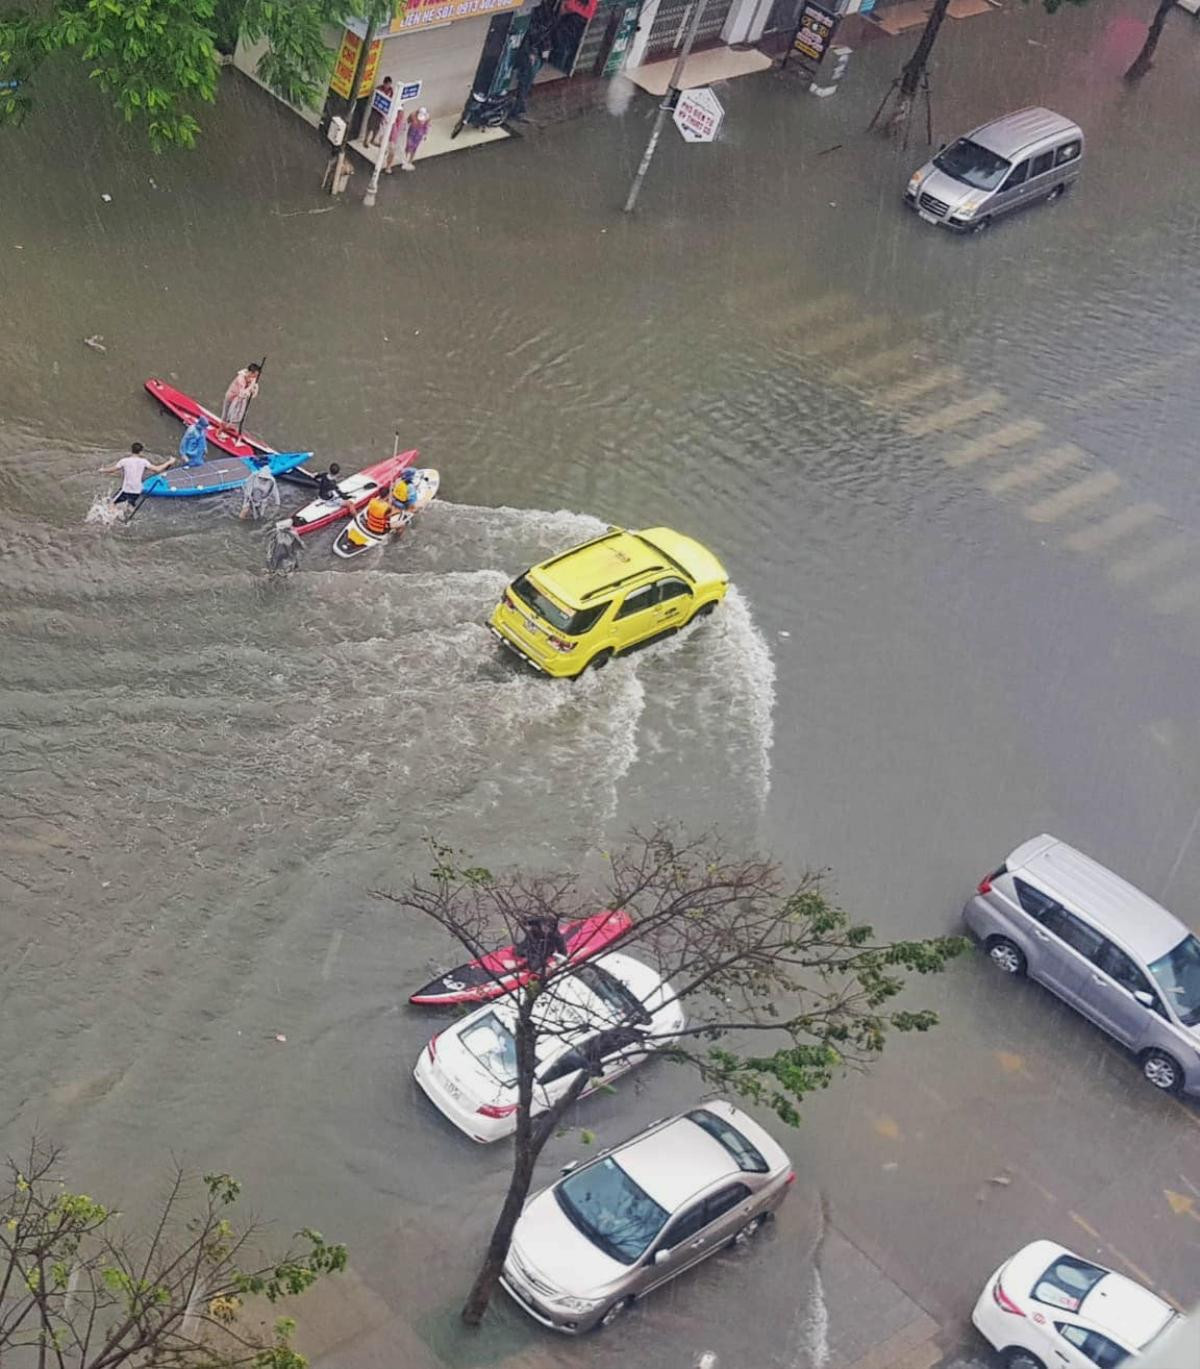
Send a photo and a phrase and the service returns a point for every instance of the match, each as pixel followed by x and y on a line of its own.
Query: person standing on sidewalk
pixel 375 118
pixel 418 131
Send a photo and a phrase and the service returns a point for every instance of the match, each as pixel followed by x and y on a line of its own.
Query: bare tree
pixel 77 1293
pixel 753 958
pixel 1145 59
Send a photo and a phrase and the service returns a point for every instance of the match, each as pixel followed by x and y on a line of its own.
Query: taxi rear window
pixel 748 1158
pixel 565 620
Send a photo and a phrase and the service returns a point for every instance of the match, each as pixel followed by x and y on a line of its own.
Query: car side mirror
pixel 1144 998
pixel 661 1256
pixel 941 148
pixel 570 1166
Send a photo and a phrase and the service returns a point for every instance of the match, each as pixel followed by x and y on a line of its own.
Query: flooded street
pixel 941 639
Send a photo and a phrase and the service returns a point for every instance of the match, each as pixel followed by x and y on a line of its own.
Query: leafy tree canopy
pixel 157 60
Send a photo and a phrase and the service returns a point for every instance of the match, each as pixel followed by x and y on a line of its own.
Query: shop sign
pixel 419 14
pixel 698 115
pixel 586 9
pixel 410 90
pixel 815 32
pixel 347 60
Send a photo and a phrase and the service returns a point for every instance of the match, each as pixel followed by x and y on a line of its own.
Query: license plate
pixel 926 215
pixel 530 625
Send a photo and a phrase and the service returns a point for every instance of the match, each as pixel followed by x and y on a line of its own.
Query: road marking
pixel 1135 1269
pixel 1162 554
pixel 1010 435
pixel 920 385
pixel 1045 1192
pixel 1012 1063
pixel 335 942
pixel 878 365
pixel 951 415
pixel 1087 1226
pixel 1043 465
pixel 1077 496
pixel 1188 1184
pixel 1182 1204
pixel 838 339
pixel 887 1127
pixel 1181 595
pixel 1114 527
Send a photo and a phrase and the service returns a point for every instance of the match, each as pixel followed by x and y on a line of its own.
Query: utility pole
pixel 389 123
pixel 670 100
pixel 360 67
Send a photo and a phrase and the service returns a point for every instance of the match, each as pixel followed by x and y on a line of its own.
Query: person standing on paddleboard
pixel 193 445
pixel 132 470
pixel 259 493
pixel 242 389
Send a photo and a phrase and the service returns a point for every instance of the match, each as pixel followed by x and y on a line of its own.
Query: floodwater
pixel 207 772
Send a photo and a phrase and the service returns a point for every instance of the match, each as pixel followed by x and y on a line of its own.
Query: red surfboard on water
pixel 359 488
pixel 186 409
pixel 498 972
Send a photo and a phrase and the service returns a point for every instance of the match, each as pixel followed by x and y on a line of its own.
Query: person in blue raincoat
pixel 193 445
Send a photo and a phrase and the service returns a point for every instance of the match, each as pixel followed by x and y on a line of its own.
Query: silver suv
pixel 589 1246
pixel 1102 946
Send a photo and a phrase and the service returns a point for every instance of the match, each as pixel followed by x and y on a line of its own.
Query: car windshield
pixel 612 993
pixel 967 161
pixel 565 620
pixel 492 1044
pixel 605 1204
pixel 1067 1282
pixel 1178 975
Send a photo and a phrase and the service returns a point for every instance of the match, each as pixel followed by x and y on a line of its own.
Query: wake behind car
pixel 607 596
pixel 1013 161
pixel 604 1017
pixel 1050 1307
pixel 609 1232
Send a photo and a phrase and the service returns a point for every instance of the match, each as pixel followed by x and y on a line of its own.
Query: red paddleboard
pixel 500 971
pixel 358 488
pixel 186 409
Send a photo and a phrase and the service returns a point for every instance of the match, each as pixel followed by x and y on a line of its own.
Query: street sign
pixel 410 90
pixel 698 115
pixel 381 102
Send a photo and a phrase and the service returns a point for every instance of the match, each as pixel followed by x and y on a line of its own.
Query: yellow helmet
pixel 400 491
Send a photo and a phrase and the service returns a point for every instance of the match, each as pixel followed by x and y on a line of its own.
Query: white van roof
pixel 1011 134
pixel 1134 918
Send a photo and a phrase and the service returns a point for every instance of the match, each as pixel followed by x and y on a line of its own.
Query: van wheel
pixel 1162 1071
pixel 981 225
pixel 1006 956
pixel 601 659
pixel 617 1310
pixel 1056 194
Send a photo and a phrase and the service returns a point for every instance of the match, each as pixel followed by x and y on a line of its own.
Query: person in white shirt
pixel 132 470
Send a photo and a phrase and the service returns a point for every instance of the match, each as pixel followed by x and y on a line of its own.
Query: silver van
pixel 1031 155
pixel 1102 946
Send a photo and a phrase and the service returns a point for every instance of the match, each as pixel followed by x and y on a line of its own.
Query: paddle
pixel 262 366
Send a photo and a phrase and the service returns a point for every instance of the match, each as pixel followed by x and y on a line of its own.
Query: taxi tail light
pixel 1003 1301
pixel 509 600
pixel 496 1109
pixel 433 1040
pixel 560 645
pixel 791 1178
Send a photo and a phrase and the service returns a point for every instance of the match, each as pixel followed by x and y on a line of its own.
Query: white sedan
pixel 1050 1309
pixel 605 1017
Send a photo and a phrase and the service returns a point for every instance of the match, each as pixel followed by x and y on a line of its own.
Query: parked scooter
pixel 485 111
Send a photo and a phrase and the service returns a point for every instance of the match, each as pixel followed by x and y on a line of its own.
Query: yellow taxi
pixel 606 596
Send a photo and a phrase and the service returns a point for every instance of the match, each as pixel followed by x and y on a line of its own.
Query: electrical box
pixel 336 133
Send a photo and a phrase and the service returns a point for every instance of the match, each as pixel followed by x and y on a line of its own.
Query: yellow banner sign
pixel 347 61
pixel 418 14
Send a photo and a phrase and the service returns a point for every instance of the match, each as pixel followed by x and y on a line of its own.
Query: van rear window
pixel 573 623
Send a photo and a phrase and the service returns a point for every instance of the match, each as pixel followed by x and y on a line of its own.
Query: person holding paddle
pixel 133 469
pixel 242 389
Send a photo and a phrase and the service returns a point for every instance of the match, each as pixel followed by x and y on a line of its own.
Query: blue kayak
pixel 219 475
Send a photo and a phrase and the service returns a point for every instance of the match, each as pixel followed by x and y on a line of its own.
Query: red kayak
pixel 186 409
pixel 500 971
pixel 358 488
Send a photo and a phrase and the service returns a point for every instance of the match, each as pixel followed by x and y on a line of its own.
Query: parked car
pixel 605 597
pixel 1016 160
pixel 1048 1308
pixel 605 1017
pixel 612 1230
pixel 1102 946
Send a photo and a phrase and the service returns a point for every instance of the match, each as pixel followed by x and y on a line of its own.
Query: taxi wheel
pixel 704 610
pixel 601 659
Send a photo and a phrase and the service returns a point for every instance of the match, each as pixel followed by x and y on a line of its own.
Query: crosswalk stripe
pixel 923 384
pixel 808 311
pixel 1183 594
pixel 1043 465
pixel 1114 527
pixel 1161 554
pixel 837 339
pixel 1010 435
pixel 951 415
pixel 1077 496
pixel 893 359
